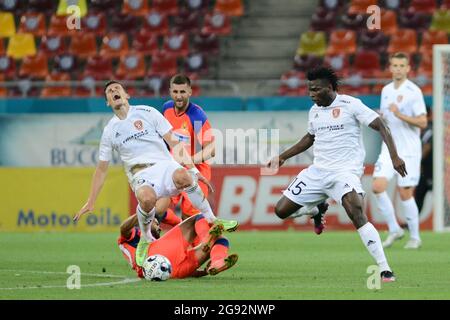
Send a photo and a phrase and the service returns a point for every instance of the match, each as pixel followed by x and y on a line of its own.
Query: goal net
pixel 441 137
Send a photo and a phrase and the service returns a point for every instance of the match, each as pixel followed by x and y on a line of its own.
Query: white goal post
pixel 441 137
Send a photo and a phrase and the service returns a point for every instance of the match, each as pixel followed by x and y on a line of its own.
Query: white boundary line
pixel 124 279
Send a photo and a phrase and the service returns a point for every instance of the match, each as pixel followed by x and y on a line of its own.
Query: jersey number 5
pixel 297 189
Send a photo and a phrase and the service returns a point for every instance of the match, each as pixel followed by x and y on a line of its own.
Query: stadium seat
pixel 388 21
pixel 7 67
pixel 426 65
pixel 63 5
pixel 100 67
pixel 163 65
pixel 3 91
pixel 57 91
pixel 124 23
pixel 312 43
pixel 425 73
pixel 291 84
pixel 441 20
pixel 83 45
pixel 374 40
pixel 131 66
pixel 58 27
pixel 16 7
pixel 109 7
pixel 156 23
pixel 156 85
pixel 306 62
pixel 403 40
pixel 411 19
pixel 323 20
pixel 65 63
pixel 423 6
pixel 430 38
pixel 52 45
pixel 95 22
pixel 217 23
pixel 167 7
pixel 2 47
pixel 35 67
pixel 33 23
pixel 88 87
pixel 21 45
pixel 198 5
pixel 8 28
pixel 114 45
pixel 360 6
pixel 206 43
pixel 331 5
pixel 340 63
pixel 135 7
pixel 176 44
pixel 186 21
pixel 342 42
pixel 233 8
pixel 394 4
pixel 445 4
pixel 196 63
pixel 366 64
pixel 145 43
pixel 353 21
pixel 47 7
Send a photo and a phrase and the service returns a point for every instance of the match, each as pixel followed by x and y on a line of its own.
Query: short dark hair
pixel 180 79
pixel 400 55
pixel 110 82
pixel 324 73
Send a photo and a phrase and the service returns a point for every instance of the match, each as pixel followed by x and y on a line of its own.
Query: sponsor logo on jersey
pixel 336 112
pixel 316 116
pixel 399 98
pixel 139 125
pixel 117 134
pixel 345 101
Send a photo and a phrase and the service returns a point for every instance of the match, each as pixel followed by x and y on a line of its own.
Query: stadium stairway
pixel 263 43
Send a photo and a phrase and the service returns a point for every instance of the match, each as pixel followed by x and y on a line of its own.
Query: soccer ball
pixel 157 268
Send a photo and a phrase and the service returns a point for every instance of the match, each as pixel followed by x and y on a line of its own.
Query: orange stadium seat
pixel 312 43
pixel 33 23
pixel 388 21
pixel 99 66
pixel 58 26
pixel 342 42
pixel 114 45
pixel 21 45
pixel 423 6
pixel 168 7
pixel 131 66
pixel 441 20
pixel 7 67
pixel 403 40
pixel 217 23
pixel 157 23
pixel 233 8
pixel 360 6
pixel 83 45
pixel 8 24
pixel 3 91
pixel 163 65
pixel 176 44
pixel 60 90
pixel 95 22
pixel 426 65
pixel 430 38
pixel 145 43
pixel 35 67
pixel 135 7
pixel 52 45
pixel 291 84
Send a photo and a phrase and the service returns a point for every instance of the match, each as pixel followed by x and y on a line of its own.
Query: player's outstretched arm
pixel 379 125
pixel 304 144
pixel 97 183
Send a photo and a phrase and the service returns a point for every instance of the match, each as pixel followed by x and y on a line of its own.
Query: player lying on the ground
pixel 187 246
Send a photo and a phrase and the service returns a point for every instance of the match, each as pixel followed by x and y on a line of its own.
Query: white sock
pixel 411 213
pixel 371 239
pixel 385 207
pixel 198 199
pixel 306 211
pixel 145 223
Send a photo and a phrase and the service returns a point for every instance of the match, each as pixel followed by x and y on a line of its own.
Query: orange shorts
pixel 179 252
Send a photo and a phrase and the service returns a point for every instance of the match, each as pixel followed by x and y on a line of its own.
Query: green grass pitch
pixel 272 265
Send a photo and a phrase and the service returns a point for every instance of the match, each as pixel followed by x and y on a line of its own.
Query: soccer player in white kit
pixel 334 127
pixel 403 108
pixel 138 134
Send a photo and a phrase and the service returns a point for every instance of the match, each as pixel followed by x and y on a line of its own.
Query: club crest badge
pixel 336 112
pixel 399 98
pixel 138 125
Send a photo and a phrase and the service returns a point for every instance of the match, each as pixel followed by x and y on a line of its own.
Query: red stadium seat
pixel 2 47
pixel 206 43
pixel 423 6
pixel 426 65
pixel 374 40
pixel 198 5
pixel 353 21
pixel 84 45
pixel 394 4
pixel 217 23
pixel 7 67
pixel 52 45
pixel 131 66
pixel 114 45
pixel 35 67
pixel 157 85
pixel 135 7
pixel 331 5
pixel 124 23
pixel 100 67
pixel 110 7
pixel 233 8
pixel 95 22
pixel 360 6
pixel 58 91
pixel 411 19
pixel 388 21
pixel 65 63
pixel 176 44
pixel 367 64
pixel 16 7
pixel 163 65
pixel 340 63
pixel 430 38
pixel 145 43
pixel 3 91
pixel 291 84
pixel 187 21
pixel 33 23
pixel 168 7
pixel 342 42
pixel 323 20
pixel 196 63
pixel 306 62
pixel 445 4
pixel 156 23
pixel 47 7
pixel 404 40
pixel 88 87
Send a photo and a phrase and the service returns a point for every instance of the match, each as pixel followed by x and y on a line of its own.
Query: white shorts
pixel 159 177
pixel 313 185
pixel 385 169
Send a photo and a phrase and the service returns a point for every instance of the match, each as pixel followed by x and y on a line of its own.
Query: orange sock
pixel 201 227
pixel 219 251
pixel 171 218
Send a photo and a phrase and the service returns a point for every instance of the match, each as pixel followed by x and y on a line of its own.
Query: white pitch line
pixel 124 280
